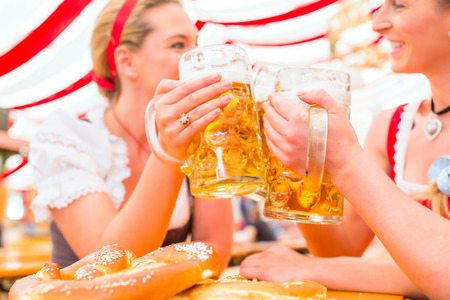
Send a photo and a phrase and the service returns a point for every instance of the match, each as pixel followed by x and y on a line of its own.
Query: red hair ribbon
pixel 114 40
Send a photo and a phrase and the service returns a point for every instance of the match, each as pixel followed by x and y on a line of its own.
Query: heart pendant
pixel 432 128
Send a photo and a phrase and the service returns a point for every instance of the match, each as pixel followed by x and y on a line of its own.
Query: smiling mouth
pixel 397 45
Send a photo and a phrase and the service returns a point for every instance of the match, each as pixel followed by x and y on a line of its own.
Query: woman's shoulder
pixel 385 117
pixel 66 129
pixel 63 120
pixel 72 157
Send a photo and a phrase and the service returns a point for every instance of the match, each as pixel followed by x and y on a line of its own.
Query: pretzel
pixel 238 287
pixel 115 273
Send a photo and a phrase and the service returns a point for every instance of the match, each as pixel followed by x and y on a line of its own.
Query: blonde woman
pixel 406 144
pixel 97 181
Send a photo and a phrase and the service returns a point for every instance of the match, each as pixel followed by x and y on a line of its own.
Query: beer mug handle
pixel 317 146
pixel 152 137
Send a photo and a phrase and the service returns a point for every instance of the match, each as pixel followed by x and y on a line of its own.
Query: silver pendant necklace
pixel 433 125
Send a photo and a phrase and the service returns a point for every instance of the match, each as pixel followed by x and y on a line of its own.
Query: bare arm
pixel 401 224
pixel 214 225
pixel 350 238
pixel 282 264
pixel 91 221
pixel 353 235
pixel 9 143
pixel 416 238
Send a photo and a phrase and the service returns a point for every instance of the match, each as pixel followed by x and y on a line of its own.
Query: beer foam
pixel 338 93
pixel 232 75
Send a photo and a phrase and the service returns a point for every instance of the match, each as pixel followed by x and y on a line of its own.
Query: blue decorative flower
pixel 440 170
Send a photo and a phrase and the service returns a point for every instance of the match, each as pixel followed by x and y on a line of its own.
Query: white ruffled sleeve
pixel 70 158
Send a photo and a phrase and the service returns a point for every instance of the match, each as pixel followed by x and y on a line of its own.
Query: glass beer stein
pixel 263 86
pixel 226 158
pixel 309 197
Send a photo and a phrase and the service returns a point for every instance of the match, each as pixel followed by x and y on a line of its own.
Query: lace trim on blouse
pixel 50 197
pixel 404 130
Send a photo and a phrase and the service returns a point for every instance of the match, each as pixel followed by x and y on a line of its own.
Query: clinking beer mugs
pixel 226 158
pixel 309 197
pixel 263 86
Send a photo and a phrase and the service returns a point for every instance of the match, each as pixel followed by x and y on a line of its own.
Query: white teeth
pixel 397 44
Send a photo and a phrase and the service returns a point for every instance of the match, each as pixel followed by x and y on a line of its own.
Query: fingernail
pixel 216 112
pixel 226 84
pixel 226 98
pixel 215 76
pixel 178 83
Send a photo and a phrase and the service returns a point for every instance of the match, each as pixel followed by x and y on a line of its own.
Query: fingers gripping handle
pixel 152 137
pixel 315 161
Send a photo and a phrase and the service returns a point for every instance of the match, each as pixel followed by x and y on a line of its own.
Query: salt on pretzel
pixel 238 287
pixel 114 273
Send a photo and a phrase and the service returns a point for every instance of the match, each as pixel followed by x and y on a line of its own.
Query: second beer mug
pixel 226 158
pixel 263 86
pixel 309 197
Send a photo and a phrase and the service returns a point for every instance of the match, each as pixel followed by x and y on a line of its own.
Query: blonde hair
pixel 439 200
pixel 134 32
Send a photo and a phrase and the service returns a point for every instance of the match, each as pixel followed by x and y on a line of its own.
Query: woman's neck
pixel 128 123
pixel 440 90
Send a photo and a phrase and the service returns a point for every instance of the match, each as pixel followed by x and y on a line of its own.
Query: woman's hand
pixel 278 264
pixel 193 98
pixel 286 131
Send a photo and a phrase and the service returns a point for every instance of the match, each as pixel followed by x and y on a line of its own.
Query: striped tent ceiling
pixel 323 33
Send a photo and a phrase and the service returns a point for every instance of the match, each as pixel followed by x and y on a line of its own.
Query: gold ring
pixel 184 119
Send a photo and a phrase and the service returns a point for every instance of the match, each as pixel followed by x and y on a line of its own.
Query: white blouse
pixel 72 158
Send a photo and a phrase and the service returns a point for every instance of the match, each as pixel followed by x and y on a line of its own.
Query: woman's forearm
pixel 214 225
pixel 143 221
pixel 349 238
pixel 410 232
pixel 369 275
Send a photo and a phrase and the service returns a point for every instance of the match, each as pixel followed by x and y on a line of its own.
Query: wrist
pixel 327 270
pixel 355 159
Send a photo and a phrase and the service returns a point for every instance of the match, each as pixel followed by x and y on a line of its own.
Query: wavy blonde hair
pixel 134 32
pixel 439 200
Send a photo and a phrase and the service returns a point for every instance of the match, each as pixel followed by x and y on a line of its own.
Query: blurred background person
pixel 251 214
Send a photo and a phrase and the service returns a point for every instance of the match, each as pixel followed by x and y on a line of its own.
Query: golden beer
pixel 287 201
pixel 226 158
pixel 263 86
pixel 265 148
pixel 309 197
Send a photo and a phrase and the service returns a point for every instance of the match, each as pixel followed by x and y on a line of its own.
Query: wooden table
pixel 241 250
pixel 340 295
pixel 24 258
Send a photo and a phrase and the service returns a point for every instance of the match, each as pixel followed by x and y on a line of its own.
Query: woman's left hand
pixel 278 264
pixel 286 129
pixel 197 102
